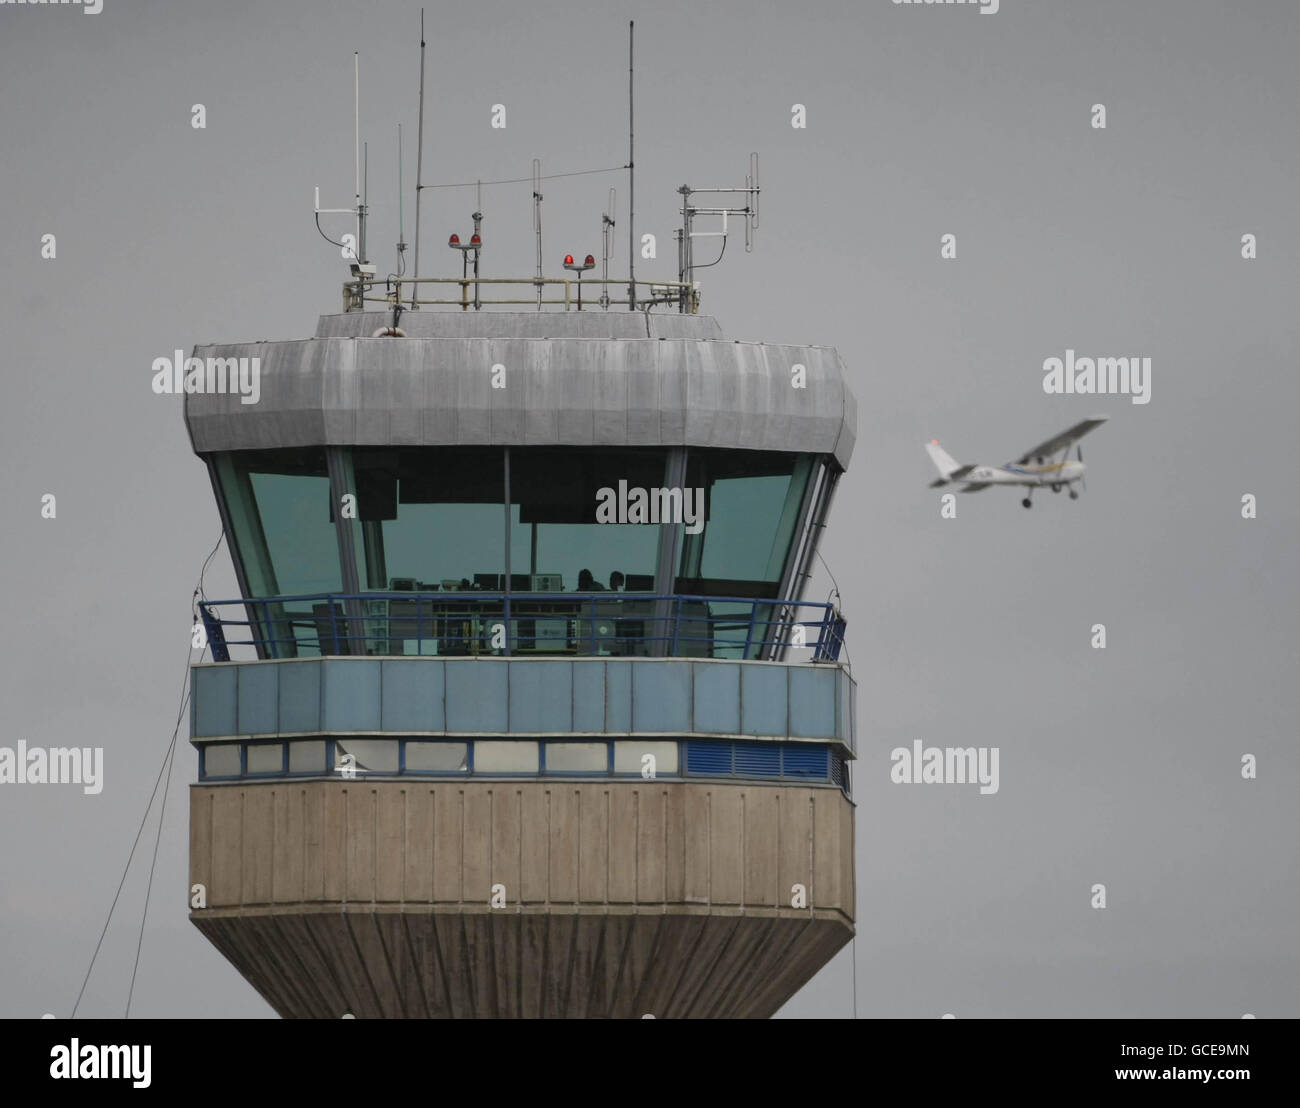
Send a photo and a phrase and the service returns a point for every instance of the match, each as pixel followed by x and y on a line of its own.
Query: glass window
pixel 436 757
pixel 629 757
pixel 506 756
pixel 307 756
pixel 278 502
pixel 430 519
pixel 371 755
pixel 265 757
pixel 279 506
pixel 586 520
pixel 752 501
pixel 577 758
pixel 221 760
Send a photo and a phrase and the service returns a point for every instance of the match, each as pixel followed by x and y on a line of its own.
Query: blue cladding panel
pixel 812 703
pixel 477 697
pixel 589 696
pixel 806 761
pixel 763 700
pixel 300 697
pixel 618 699
pixel 661 697
pixel 541 697
pixel 717 698
pixel 259 708
pixel 713 759
pixel 758 759
pixel 412 698
pixel 351 695
pixel 214 700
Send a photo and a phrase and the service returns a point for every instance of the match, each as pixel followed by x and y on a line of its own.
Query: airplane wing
pixel 975 486
pixel 1062 441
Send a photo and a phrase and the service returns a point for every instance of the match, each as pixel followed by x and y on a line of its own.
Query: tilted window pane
pixel 372 755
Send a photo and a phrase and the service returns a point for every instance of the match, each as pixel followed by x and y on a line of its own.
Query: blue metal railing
pixel 473 623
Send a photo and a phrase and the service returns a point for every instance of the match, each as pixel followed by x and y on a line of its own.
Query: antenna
pixel 419 169
pixel 631 180
pixel 362 270
pixel 688 234
pixel 401 233
pixel 356 154
pixel 537 223
pixel 365 194
pixel 606 232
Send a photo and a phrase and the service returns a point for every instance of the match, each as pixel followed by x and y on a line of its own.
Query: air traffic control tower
pixel 522 712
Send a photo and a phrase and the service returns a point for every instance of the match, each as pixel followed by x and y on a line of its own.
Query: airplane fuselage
pixel 1030 474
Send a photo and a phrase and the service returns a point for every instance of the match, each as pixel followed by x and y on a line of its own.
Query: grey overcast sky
pixel 1119 766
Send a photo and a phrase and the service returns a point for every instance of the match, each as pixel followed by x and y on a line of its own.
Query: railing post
pixel 506 609
pixel 677 619
pixel 749 634
pixel 334 626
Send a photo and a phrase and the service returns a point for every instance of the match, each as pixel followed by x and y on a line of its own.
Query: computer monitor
pixel 639 582
pixel 490 582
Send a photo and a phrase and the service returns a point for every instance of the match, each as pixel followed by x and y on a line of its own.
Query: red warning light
pixel 454 240
pixel 589 260
pixel 475 240
pixel 568 259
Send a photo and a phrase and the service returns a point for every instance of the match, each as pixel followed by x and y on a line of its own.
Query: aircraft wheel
pixel 1074 494
pixel 1027 502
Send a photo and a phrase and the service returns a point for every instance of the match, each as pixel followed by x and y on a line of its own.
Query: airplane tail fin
pixel 943 461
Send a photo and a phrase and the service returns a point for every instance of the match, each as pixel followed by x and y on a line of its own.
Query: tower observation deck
pixel 522 710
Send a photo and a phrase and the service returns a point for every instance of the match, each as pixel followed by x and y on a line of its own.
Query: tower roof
pixel 528 378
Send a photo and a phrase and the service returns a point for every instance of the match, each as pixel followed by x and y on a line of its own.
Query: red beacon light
pixel 578 267
pixel 454 240
pixel 589 261
pixel 568 260
pixel 475 240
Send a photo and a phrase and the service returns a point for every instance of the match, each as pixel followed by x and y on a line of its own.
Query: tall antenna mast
pixel 419 169
pixel 631 181
pixel 356 154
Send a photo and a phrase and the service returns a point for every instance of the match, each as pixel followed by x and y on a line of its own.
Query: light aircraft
pixel 1034 469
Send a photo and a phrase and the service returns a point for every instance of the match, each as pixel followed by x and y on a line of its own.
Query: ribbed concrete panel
pixel 559 391
pixel 623 898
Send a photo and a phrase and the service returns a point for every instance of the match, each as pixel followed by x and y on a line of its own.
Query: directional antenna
pixel 748 211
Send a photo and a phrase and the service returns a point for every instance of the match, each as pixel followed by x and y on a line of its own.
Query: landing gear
pixel 1074 494
pixel 1027 502
pixel 1056 488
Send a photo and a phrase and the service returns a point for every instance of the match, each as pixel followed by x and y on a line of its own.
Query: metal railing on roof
pixel 573 294
pixel 474 623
